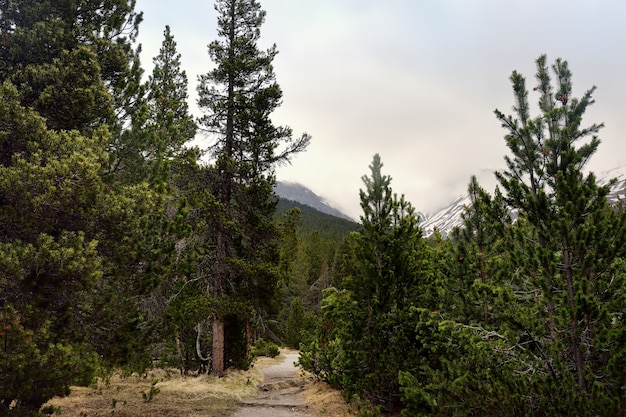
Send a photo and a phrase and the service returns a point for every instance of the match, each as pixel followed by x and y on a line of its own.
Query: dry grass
pixel 325 401
pixel 194 396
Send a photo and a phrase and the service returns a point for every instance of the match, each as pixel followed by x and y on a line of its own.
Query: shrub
pixel 264 348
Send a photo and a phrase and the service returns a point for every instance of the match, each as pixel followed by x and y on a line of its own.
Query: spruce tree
pixel 238 97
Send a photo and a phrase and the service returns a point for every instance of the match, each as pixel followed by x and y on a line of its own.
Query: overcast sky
pixel 413 80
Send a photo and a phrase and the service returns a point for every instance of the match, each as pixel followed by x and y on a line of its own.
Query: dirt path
pixel 280 393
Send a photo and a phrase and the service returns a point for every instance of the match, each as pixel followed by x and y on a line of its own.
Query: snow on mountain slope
pixel 618 190
pixel 450 216
pixel 447 218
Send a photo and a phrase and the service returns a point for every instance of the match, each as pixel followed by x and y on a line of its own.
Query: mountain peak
pixel 299 193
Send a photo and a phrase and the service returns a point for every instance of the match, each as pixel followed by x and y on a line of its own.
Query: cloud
pixel 415 81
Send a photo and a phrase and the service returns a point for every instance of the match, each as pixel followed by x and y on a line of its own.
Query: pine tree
pixel 238 97
pixel 76 256
pixel 568 242
pixel 48 46
pixel 167 159
pixel 367 333
pixel 168 110
pixel 477 260
pixel 52 201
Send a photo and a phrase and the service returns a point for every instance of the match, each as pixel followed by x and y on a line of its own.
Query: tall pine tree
pixel 238 97
pixel 368 334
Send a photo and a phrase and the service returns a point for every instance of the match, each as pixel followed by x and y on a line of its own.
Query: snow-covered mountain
pixel 303 195
pixel 450 216
pixel 447 218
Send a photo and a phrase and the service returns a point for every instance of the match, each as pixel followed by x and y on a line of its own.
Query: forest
pixel 122 246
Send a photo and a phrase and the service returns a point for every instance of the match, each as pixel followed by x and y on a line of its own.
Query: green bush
pixel 264 348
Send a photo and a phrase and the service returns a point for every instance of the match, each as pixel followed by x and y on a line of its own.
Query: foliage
pixel 52 199
pixel 374 305
pixel 152 392
pixel 265 348
pixel 118 246
pixel 238 96
pixel 33 361
pixel 578 239
pixel 78 233
pixel 310 220
pixel 167 159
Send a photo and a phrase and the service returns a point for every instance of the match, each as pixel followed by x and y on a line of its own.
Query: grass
pixel 161 393
pixel 165 393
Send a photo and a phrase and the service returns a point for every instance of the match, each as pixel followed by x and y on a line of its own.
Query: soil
pixel 287 391
pixel 280 393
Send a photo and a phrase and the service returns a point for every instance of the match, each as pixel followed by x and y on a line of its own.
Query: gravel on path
pixel 279 395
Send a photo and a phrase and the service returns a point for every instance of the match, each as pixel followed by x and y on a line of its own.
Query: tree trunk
pixel 575 336
pixel 218 346
pixel 181 356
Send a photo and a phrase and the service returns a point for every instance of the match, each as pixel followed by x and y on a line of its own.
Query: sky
pixel 415 81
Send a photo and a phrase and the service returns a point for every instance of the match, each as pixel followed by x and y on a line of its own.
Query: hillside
pixel 328 226
pixel 303 195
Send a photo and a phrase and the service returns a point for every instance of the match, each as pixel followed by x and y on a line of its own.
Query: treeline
pixel 312 250
pixel 311 221
pixel 519 313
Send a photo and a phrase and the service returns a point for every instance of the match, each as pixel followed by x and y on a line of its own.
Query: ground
pixel 272 388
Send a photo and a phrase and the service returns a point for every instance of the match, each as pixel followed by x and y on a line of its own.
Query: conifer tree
pixel 368 333
pixel 168 110
pixel 167 159
pixel 43 54
pixel 74 237
pixel 52 202
pixel 477 260
pixel 238 97
pixel 568 242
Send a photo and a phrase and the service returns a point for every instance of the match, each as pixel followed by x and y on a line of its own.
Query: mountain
pixel 328 226
pixel 449 216
pixel 301 194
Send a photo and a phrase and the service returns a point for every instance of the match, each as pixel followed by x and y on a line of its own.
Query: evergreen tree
pixel 367 334
pixel 52 51
pixel 238 97
pixel 568 243
pixel 477 261
pixel 53 201
pixel 169 120
pixel 77 256
pixel 167 159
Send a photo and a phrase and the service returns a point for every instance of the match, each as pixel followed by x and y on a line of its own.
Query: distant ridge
pixel 327 225
pixel 299 193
